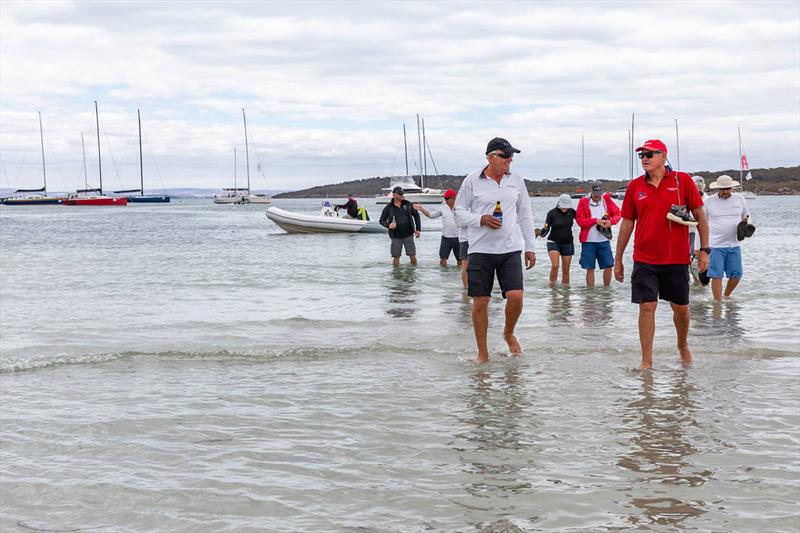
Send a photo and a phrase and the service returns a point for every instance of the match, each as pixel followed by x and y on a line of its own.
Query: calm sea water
pixel 193 368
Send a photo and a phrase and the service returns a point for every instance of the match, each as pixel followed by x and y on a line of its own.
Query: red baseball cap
pixel 449 193
pixel 653 144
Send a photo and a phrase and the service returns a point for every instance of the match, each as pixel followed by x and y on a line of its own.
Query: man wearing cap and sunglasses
pixel 493 204
pixel 449 228
pixel 596 213
pixel 403 223
pixel 658 203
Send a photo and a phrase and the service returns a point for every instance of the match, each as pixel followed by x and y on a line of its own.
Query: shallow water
pixel 191 367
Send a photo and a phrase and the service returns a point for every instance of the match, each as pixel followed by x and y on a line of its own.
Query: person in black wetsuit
pixel 351 206
pixel 404 225
pixel 558 230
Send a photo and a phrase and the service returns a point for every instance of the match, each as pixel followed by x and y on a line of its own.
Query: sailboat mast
pixel 41 137
pixel 99 161
pixel 633 145
pixel 85 176
pixel 234 168
pixel 677 145
pixel 405 147
pixel 582 157
pixel 739 129
pixel 141 166
pixel 424 149
pixel 419 147
pixel 246 150
pixel 630 157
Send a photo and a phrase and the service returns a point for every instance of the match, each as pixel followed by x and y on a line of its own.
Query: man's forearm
pixel 702 226
pixel 625 230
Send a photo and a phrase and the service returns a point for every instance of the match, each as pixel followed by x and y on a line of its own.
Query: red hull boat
pixel 97 200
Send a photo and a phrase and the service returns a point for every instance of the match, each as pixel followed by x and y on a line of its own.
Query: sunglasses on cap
pixel 502 155
pixel 649 154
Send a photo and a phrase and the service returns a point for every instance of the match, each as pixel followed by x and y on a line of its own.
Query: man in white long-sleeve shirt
pixel 496 242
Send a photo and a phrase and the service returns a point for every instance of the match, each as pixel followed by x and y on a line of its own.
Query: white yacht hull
pixel 414 198
pixel 259 199
pixel 300 223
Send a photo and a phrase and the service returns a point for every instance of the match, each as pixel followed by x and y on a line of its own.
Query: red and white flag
pixel 745 166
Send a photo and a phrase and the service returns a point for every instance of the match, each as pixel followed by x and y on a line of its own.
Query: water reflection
pixel 660 417
pixel 495 439
pixel 560 306
pixel 719 320
pixel 596 308
pixel 402 292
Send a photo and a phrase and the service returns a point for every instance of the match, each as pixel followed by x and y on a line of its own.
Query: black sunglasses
pixel 504 155
pixel 649 154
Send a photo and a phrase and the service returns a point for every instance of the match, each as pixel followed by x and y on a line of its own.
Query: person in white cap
pixel 560 243
pixel 725 212
pixel 493 203
pixel 694 240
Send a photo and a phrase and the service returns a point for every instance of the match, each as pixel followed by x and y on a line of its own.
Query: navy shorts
pixel 596 253
pixel 449 244
pixel 668 282
pixel 463 249
pixel 562 249
pixel 483 267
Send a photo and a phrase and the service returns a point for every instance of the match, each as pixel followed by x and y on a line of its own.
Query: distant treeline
pixel 781 180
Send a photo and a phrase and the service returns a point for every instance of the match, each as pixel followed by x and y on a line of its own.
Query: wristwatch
pixel 706 250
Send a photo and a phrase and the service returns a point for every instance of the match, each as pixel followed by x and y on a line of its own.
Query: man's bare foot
pixel 645 365
pixel 686 355
pixel 482 358
pixel 513 345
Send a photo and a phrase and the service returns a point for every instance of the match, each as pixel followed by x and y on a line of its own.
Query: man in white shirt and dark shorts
pixel 493 204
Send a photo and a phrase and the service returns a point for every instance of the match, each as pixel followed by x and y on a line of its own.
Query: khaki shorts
pixel 398 244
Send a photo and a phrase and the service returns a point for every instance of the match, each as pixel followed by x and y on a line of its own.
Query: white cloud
pixel 327 86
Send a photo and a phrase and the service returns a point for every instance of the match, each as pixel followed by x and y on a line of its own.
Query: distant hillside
pixel 766 181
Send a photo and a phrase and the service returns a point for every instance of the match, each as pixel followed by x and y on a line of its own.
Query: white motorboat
pixel 232 196
pixel 327 221
pixel 413 192
pixel 259 199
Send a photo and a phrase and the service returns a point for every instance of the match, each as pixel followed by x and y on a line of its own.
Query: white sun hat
pixel 564 201
pixel 724 182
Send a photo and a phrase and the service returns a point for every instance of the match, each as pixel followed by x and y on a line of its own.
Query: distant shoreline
pixel 781 181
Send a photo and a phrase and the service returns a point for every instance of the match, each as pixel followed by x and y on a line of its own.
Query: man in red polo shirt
pixel 661 245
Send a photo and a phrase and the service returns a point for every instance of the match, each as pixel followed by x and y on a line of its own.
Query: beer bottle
pixel 498 212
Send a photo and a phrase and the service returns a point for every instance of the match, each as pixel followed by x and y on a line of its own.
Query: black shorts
pixel 668 282
pixel 463 249
pixel 482 268
pixel 447 245
pixel 562 249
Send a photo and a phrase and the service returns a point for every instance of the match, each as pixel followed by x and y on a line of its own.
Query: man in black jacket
pixel 351 206
pixel 404 225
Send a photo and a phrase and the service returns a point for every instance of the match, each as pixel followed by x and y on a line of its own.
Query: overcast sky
pixel 328 86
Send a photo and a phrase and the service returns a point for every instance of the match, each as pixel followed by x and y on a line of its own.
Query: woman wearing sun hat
pixel 560 246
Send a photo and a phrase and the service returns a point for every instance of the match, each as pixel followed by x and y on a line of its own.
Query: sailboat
pixel 30 196
pixel 743 165
pixel 141 197
pixel 237 195
pixel 95 196
pixel 233 195
pixel 413 193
